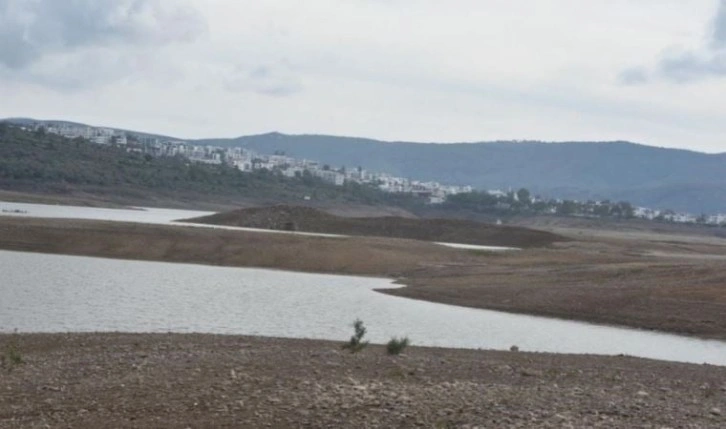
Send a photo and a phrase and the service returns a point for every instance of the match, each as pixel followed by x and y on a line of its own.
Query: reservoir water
pixel 140 215
pixel 58 293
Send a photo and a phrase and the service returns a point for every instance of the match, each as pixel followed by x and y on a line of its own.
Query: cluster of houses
pixel 671 216
pixel 247 161
pixel 98 135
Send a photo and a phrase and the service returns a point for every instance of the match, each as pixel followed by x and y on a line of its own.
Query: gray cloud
pixel 33 29
pixel 708 61
pixel 633 76
pixel 718 37
pixel 690 66
pixel 81 70
pixel 277 79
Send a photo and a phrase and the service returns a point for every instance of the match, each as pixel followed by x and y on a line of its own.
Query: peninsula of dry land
pixel 307 219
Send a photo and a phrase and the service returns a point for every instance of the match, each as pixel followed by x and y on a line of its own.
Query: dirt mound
pixel 283 217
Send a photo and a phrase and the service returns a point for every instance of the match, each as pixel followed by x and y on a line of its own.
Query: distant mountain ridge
pixel 678 179
pixel 31 121
pixel 650 176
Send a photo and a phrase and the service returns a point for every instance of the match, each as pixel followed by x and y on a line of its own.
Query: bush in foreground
pixel 356 343
pixel 11 356
pixel 396 345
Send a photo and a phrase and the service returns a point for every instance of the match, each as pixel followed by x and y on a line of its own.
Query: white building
pixel 243 165
pixel 292 171
pixel 330 176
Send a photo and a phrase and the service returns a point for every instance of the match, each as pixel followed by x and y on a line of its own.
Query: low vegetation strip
pixel 438 230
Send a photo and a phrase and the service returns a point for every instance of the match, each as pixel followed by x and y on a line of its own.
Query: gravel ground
pixel 209 381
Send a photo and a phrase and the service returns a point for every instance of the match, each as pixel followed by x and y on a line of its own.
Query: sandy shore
pixel 208 381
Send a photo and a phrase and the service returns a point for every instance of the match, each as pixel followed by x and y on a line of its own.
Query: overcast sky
pixel 650 71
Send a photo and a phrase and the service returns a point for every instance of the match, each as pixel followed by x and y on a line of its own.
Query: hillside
pixel 40 162
pixel 441 230
pixel 648 176
pixel 33 122
pixel 644 175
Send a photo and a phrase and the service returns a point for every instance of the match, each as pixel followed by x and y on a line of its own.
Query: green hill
pixel 32 161
pixel 647 176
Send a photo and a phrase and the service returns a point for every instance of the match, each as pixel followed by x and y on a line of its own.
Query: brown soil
pixel 612 283
pixel 442 230
pixel 669 283
pixel 208 381
pixel 111 199
pixel 369 256
pixel 607 225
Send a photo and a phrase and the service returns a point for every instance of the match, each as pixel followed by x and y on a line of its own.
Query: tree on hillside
pixel 567 207
pixel 623 209
pixel 524 196
pixel 602 210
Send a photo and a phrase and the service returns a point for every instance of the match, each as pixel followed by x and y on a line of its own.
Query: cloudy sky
pixel 650 71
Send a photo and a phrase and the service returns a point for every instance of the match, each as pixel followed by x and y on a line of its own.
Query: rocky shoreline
pixel 209 381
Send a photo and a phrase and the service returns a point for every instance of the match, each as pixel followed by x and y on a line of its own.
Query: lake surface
pixel 58 293
pixel 139 215
pixel 478 247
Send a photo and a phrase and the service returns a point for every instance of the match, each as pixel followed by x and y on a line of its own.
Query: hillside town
pixel 248 161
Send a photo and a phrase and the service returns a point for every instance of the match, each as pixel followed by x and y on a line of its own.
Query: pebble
pixel 531 372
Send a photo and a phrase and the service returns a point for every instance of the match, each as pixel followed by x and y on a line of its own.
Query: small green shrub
pixel 396 345
pixel 14 356
pixel 356 343
pixel 11 356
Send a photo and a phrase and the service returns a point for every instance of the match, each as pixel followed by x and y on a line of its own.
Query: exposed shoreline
pixel 310 220
pixel 647 281
pixel 607 281
pixel 209 381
